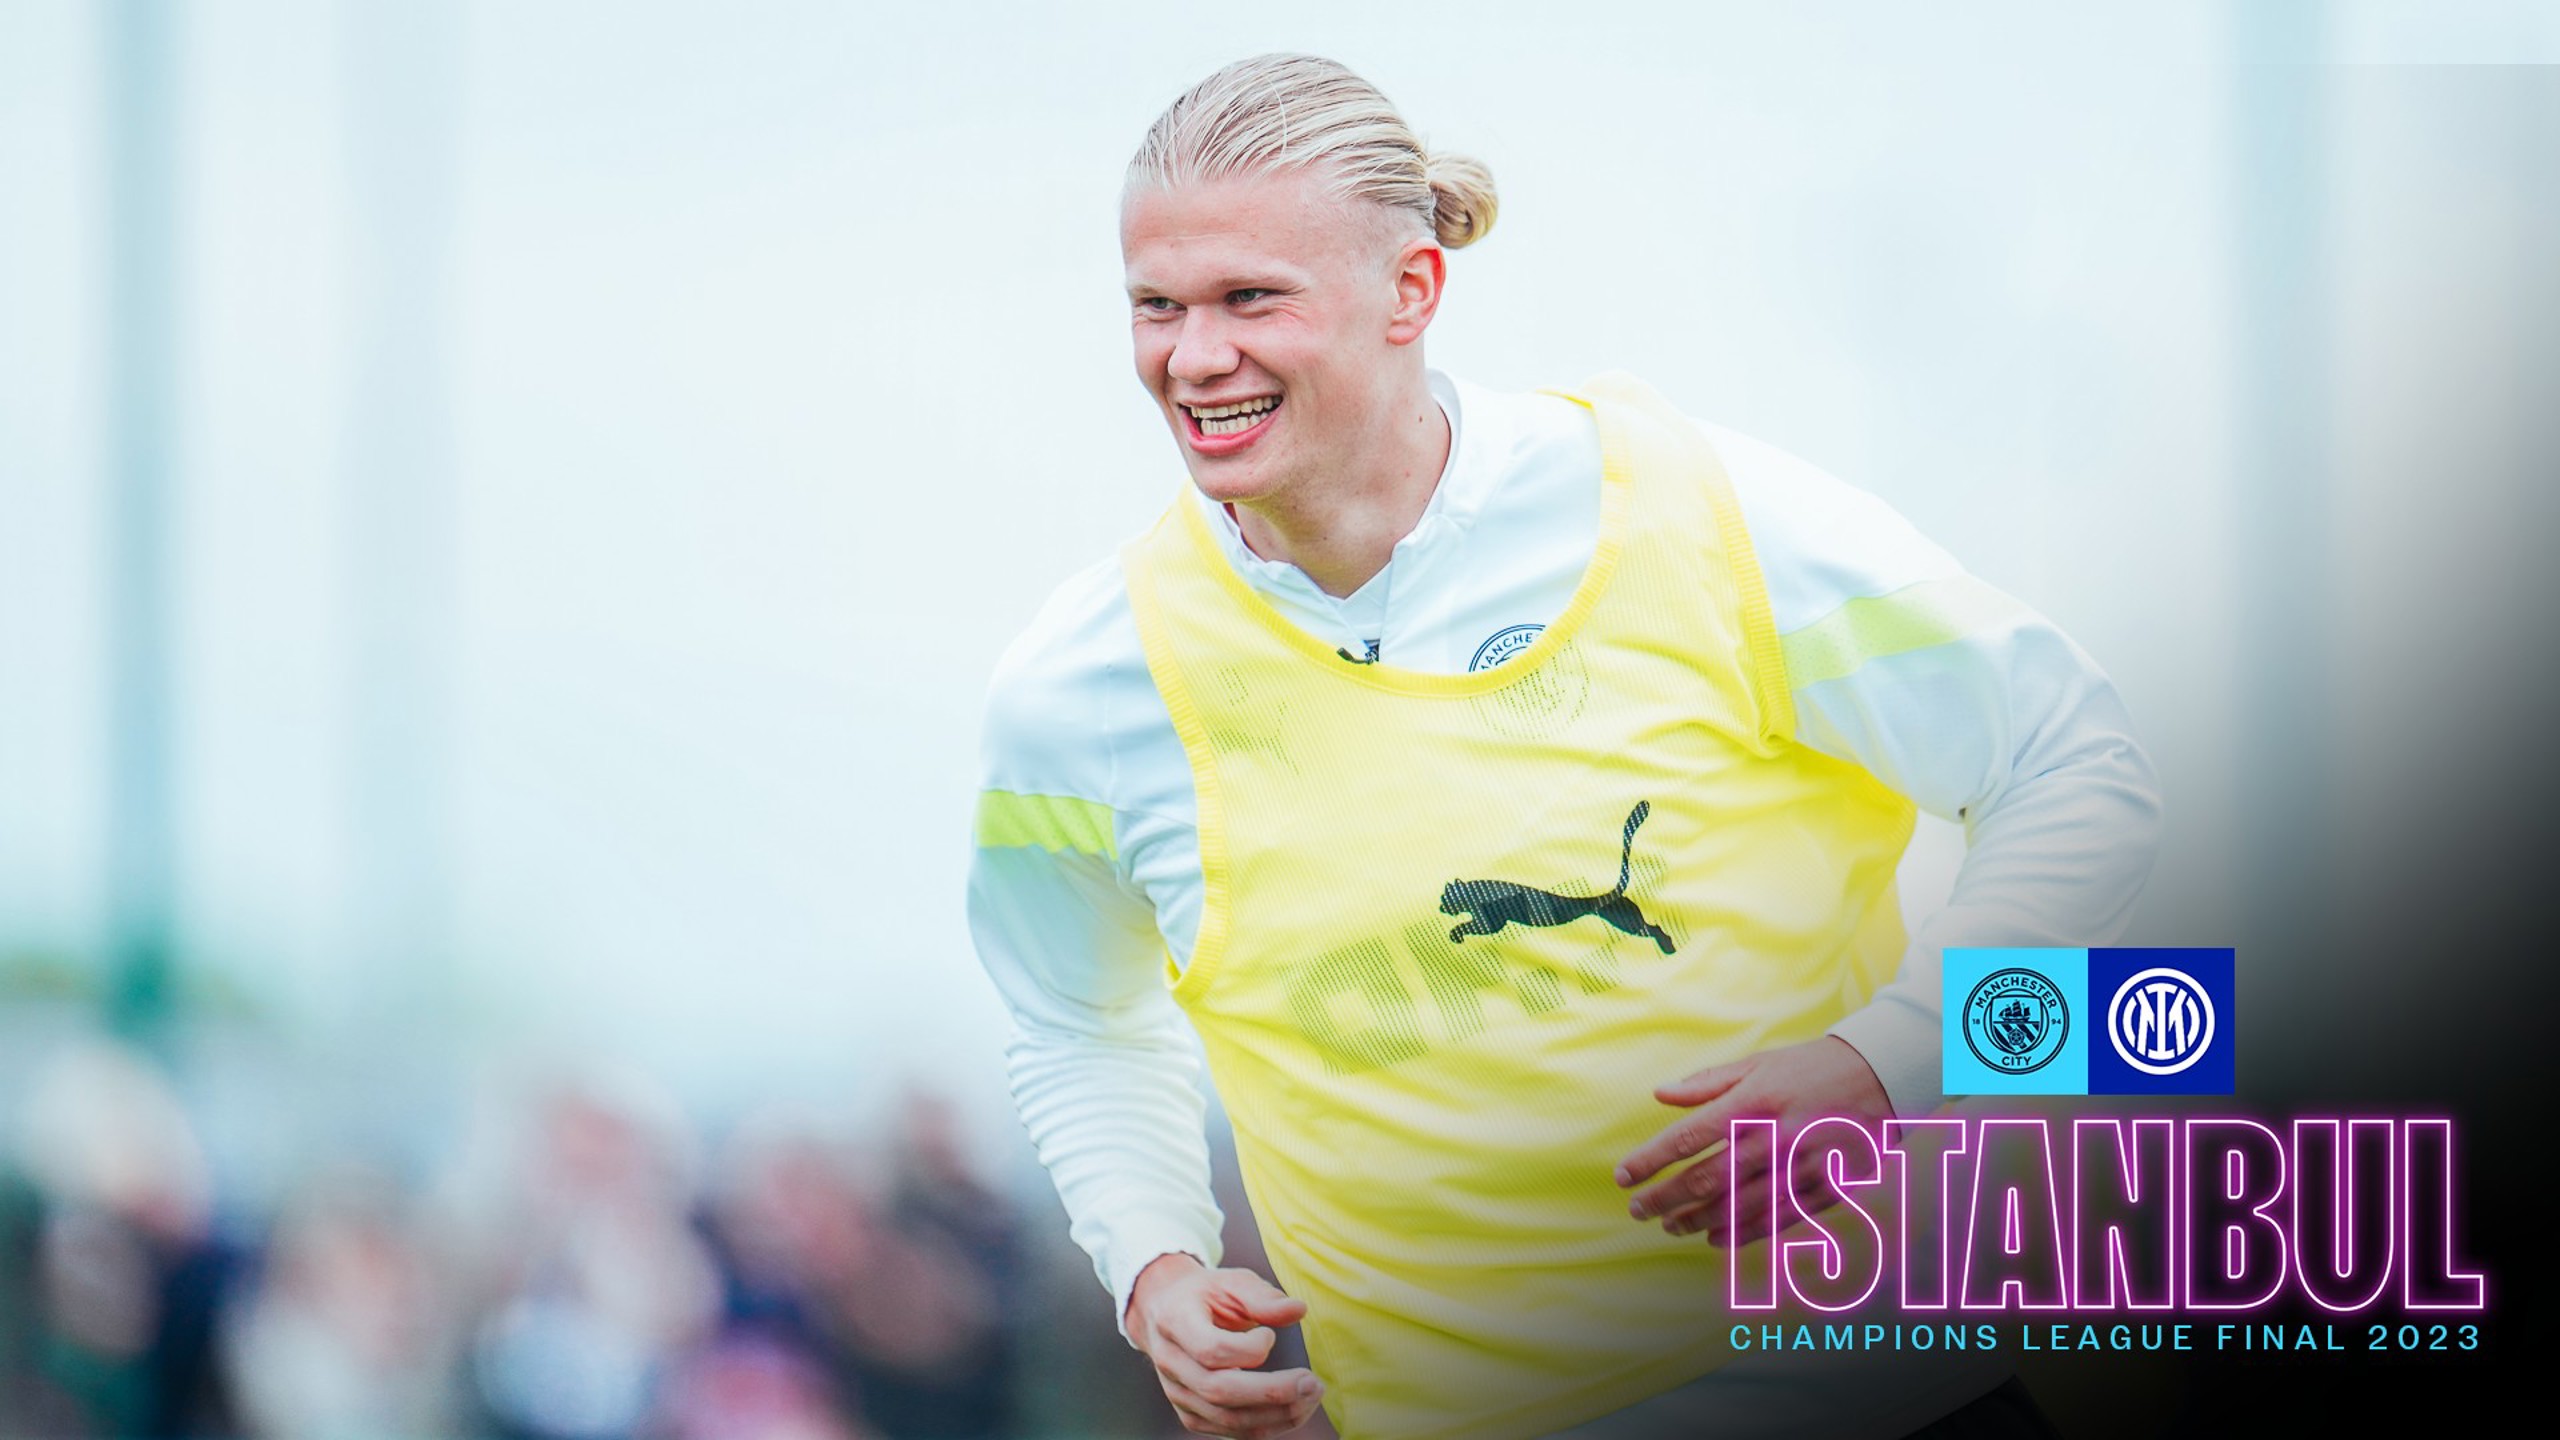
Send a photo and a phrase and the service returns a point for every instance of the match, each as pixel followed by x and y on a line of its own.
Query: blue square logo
pixel 2012 1022
pixel 2162 1022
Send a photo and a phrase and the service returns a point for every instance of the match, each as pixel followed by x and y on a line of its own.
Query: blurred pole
pixel 140 418
pixel 2288 493
pixel 399 99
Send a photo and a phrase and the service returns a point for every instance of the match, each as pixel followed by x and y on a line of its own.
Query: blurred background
pixel 507 512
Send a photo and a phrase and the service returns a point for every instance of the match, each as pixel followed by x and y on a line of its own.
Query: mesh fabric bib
pixel 1457 927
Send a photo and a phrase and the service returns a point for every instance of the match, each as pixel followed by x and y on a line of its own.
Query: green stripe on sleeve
pixel 1059 823
pixel 1915 617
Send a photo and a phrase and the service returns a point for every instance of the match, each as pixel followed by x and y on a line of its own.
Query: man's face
pixel 1265 319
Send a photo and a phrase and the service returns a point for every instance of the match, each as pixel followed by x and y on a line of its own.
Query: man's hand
pixel 1205 1329
pixel 1793 1085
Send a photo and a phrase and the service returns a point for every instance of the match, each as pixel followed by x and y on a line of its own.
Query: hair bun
pixel 1462 199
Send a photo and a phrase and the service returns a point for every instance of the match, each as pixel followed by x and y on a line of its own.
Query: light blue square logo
pixel 2015 1022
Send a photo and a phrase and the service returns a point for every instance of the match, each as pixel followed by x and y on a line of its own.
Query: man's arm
pixel 2060 806
pixel 1980 710
pixel 1103 1069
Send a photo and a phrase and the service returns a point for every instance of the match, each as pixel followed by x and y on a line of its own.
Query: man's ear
pixel 1420 269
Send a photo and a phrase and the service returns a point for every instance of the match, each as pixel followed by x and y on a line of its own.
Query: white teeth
pixel 1232 419
pixel 1222 412
pixel 1234 426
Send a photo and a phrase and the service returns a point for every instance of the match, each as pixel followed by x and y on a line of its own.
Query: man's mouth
pixel 1213 421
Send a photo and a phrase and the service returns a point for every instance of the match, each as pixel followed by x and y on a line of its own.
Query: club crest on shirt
pixel 1502 644
pixel 1541 701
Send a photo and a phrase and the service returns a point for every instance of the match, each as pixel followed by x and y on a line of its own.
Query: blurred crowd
pixel 583 1266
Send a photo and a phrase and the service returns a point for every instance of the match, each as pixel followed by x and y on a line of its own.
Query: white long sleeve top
pixel 1963 699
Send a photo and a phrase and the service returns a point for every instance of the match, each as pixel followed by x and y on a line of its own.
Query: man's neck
pixel 1343 537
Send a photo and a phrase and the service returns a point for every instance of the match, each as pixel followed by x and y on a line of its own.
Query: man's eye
pixel 1157 305
pixel 1245 297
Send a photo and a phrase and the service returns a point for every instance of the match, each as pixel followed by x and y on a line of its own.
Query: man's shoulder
pixel 1765 471
pixel 1523 424
pixel 1082 617
pixel 1821 541
pixel 1056 686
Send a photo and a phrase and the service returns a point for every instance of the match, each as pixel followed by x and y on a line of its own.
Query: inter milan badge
pixel 2167 1018
pixel 2015 1021
pixel 2161 1021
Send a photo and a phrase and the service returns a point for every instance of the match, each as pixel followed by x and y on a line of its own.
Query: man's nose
pixel 1203 351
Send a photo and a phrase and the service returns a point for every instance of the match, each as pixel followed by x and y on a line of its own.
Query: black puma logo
pixel 1491 904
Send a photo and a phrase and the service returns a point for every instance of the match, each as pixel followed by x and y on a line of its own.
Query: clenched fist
pixel 1205 1330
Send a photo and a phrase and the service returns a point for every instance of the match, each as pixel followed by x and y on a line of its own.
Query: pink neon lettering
pixel 2235 1248
pixel 2345 1214
pixel 2205 1212
pixel 2026 1260
pixel 2123 1223
pixel 2432 1280
pixel 1925 1208
pixel 1752 1279
pixel 1837 1271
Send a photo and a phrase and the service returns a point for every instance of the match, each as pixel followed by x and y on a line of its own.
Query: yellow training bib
pixel 1457 927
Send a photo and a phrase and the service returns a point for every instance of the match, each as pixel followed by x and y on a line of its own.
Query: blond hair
pixel 1285 112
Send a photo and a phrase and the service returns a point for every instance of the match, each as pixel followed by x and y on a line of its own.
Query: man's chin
pixel 1228 484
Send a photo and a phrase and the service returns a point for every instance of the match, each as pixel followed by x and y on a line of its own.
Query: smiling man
pixel 1262 312
pixel 1506 790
